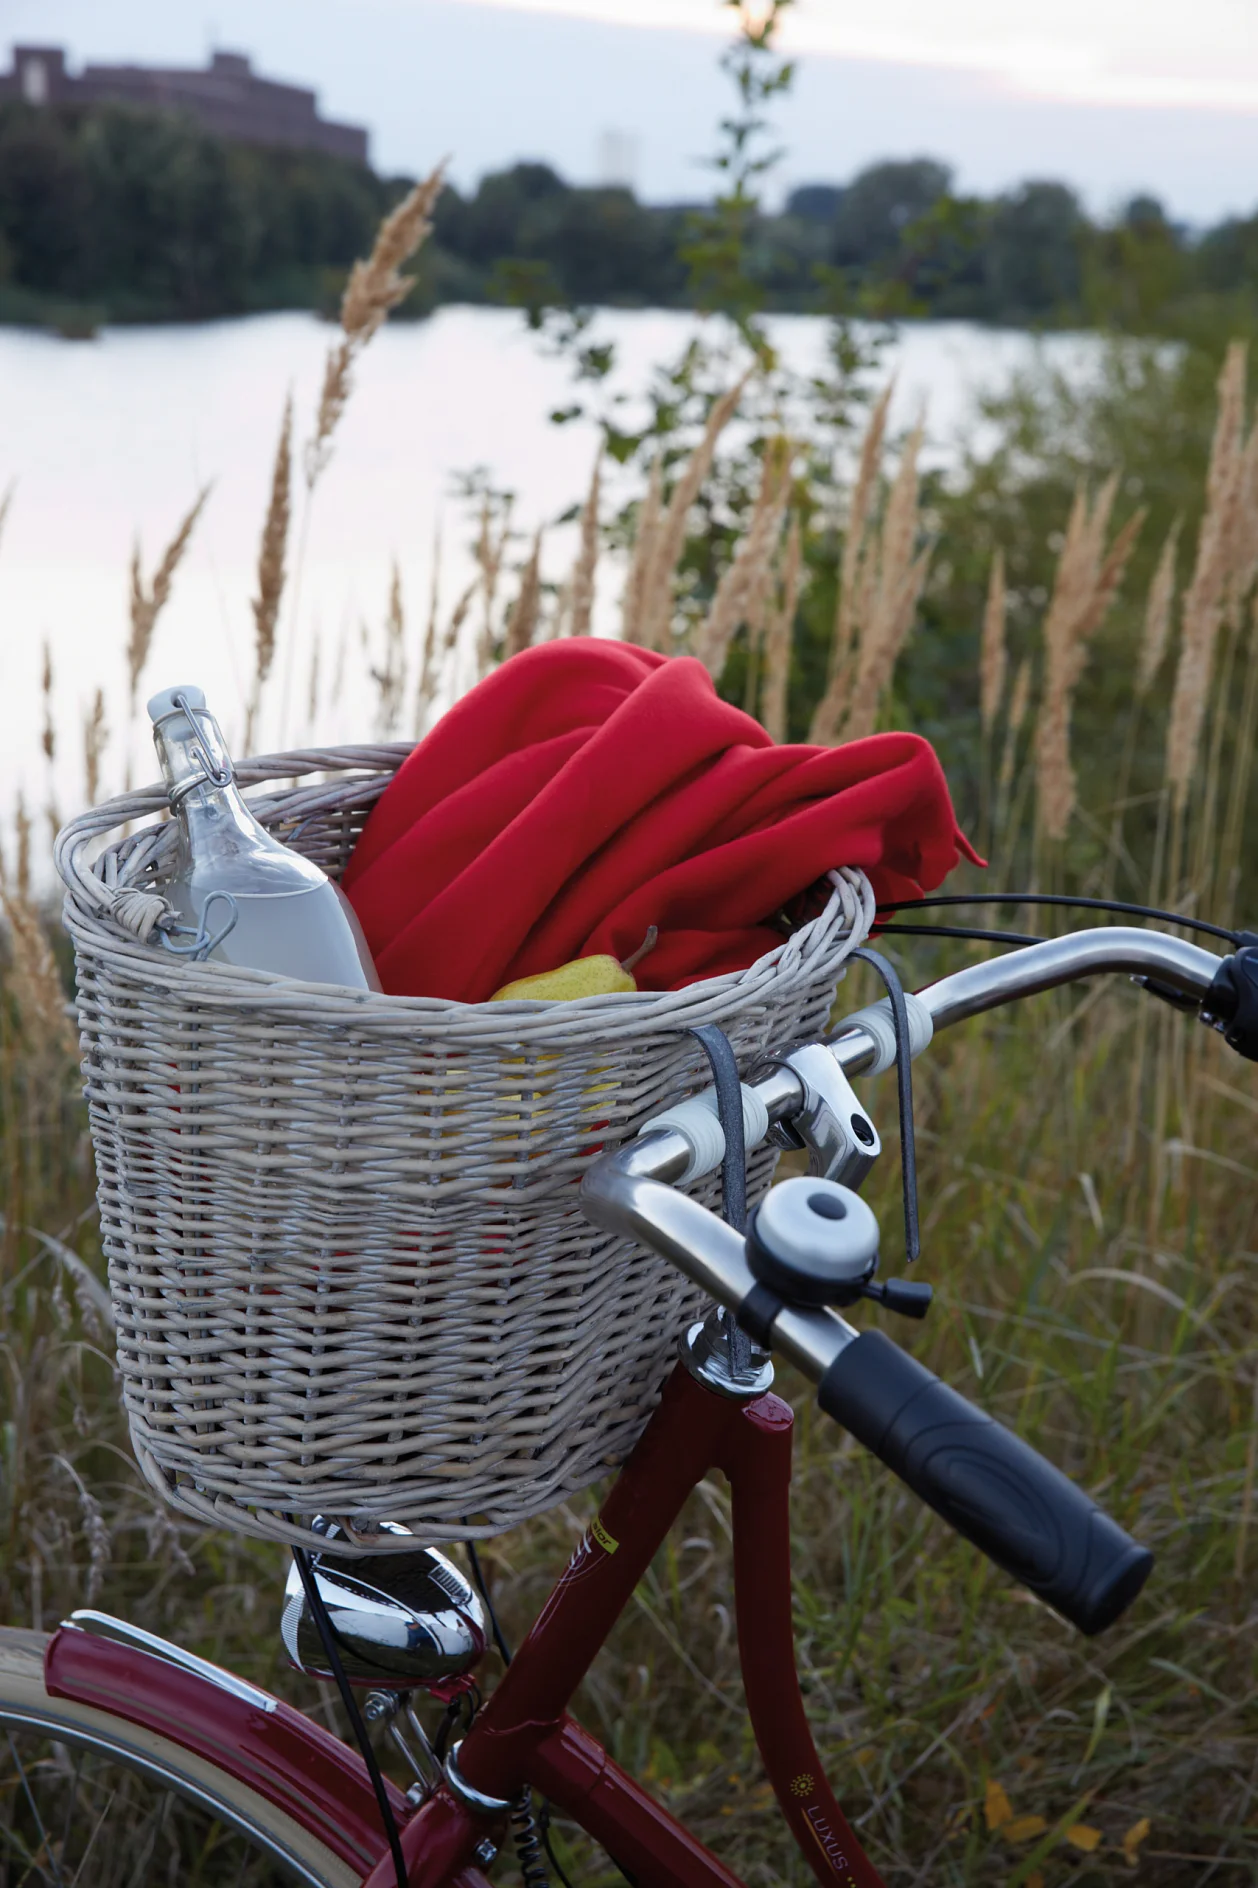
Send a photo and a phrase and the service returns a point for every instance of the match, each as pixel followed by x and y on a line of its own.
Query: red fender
pixel 283 1756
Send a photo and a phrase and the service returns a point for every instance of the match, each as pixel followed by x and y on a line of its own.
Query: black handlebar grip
pixel 986 1483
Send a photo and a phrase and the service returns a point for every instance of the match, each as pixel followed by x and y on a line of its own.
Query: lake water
pixel 107 442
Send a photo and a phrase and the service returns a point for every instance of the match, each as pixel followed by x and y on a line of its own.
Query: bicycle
pixel 106 1710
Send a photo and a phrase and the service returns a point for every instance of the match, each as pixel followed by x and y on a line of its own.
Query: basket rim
pixel 92 919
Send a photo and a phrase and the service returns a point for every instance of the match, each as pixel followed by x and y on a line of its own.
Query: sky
pixel 1113 96
pixel 1155 52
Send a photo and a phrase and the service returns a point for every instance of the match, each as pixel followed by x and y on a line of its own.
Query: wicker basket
pixel 349 1270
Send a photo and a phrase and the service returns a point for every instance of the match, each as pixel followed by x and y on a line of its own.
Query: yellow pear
pixel 584 976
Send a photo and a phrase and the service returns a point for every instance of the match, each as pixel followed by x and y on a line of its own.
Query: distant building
pixel 618 159
pixel 226 97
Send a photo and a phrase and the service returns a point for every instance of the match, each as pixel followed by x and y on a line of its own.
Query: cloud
pixel 1105 52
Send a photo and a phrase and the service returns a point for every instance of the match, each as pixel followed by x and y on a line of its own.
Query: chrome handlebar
pixel 629 1192
pixel 1039 967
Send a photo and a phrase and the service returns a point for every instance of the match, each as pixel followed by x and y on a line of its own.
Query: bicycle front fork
pixel 524 1737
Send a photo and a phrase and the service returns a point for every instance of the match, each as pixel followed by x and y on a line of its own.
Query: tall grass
pixel 1086 1177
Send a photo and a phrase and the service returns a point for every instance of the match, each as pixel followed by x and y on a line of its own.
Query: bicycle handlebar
pixel 990 1486
pixel 1039 967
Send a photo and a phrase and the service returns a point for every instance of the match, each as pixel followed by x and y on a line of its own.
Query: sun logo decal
pixel 802 1784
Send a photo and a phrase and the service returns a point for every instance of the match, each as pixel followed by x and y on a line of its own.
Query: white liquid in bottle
pixel 289 917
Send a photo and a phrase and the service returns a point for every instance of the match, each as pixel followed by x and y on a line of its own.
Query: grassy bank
pixel 1086 1162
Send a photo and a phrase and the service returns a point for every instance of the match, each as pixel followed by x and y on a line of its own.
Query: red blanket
pixel 587 790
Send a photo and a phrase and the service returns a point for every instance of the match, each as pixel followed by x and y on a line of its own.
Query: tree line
pixel 115 214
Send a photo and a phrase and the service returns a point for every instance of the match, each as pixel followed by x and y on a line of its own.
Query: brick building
pixel 227 97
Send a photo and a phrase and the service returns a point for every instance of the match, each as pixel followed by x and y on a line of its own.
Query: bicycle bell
pixel 813 1241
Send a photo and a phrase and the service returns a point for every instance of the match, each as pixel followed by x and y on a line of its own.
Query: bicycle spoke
pixel 45 1846
pixel 72 1797
pixel 72 1816
pixel 139 1874
pixel 91 1840
pixel 14 1848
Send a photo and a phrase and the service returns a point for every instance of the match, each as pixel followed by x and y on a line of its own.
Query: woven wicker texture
pixel 348 1266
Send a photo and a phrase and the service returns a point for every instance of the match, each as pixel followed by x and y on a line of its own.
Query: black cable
pixel 448 1725
pixel 1062 899
pixel 958 930
pixel 904 1089
pixel 527 1836
pixel 327 1636
pixel 728 1084
pixel 543 1823
pixel 729 1107
pixel 504 1650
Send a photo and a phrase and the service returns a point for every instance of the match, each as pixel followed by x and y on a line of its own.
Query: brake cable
pixel 327 1637
pixel 1047 898
pixel 1239 939
pixel 728 1084
pixel 982 935
pixel 904 1095
pixel 977 934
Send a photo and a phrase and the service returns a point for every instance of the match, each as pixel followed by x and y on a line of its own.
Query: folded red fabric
pixel 587 790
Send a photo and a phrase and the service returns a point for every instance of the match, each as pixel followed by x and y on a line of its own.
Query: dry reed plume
pixel 1159 609
pixel 581 583
pixel 644 537
pixel 856 552
pixel 491 549
pixel 525 617
pixel 1086 580
pixel 48 741
pixel 48 735
pixel 342 657
pixel 880 584
pixel 559 622
pixel 993 655
pixel 271 554
pixel 390 679
pixel 427 689
pixel 901 575
pixel 95 737
pixel 374 289
pixel 148 603
pixel 32 976
pixel 662 532
pixel 22 833
pixel 1019 702
pixel 742 593
pixel 1245 550
pixel 458 616
pixel 312 682
pixel 778 637
pixel 1224 551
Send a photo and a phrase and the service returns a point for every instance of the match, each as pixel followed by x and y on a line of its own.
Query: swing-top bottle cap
pixel 164 703
pixel 189 741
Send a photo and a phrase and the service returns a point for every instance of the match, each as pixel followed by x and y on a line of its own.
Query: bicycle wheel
pixel 95 1801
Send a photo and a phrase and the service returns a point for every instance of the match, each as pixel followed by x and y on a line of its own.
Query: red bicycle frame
pixel 524 1736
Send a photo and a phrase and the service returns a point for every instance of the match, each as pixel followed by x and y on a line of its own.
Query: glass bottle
pixel 280 911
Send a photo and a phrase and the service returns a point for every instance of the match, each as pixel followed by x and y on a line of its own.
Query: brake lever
pixel 1230 1005
pixel 1167 993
